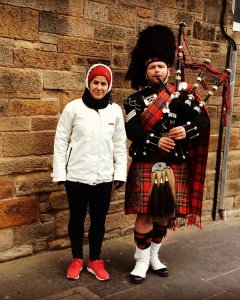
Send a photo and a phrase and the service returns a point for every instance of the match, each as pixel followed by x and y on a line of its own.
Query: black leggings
pixel 79 196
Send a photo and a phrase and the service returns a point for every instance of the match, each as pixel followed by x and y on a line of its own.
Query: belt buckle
pixel 159 166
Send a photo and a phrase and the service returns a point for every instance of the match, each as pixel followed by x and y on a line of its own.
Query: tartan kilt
pixel 137 198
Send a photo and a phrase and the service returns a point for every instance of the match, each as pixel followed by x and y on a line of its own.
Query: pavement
pixel 203 264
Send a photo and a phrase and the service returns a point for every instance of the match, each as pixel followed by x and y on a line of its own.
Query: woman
pixel 169 150
pixel 90 155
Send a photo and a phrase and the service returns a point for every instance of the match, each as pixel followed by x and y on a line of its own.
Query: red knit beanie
pixel 100 70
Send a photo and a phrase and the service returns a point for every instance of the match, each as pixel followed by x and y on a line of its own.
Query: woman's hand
pixel 166 143
pixel 177 133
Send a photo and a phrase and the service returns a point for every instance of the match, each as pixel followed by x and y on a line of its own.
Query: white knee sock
pixel 155 262
pixel 142 262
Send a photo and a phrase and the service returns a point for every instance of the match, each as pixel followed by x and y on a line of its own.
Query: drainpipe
pixel 231 60
pixel 222 211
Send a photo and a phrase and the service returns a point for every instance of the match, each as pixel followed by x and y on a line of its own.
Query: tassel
pixel 153 196
pixel 169 203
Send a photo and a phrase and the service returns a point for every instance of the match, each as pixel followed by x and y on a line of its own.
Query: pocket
pixel 70 151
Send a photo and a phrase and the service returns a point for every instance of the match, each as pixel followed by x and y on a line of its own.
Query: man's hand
pixel 177 133
pixel 166 143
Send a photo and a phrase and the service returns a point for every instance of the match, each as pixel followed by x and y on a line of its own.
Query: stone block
pixel 22 144
pixel 61 221
pixel 207 206
pixel 233 155
pixel 211 163
pixel 20 82
pixel 232 185
pixel 40 246
pixel 20 165
pixel 15 124
pixel 79 47
pixel 58 200
pixel 1 138
pixel 48 38
pixel 234 142
pixel 228 203
pixel 211 14
pixel 122 14
pixel 59 243
pixel 29 107
pixel 213 145
pixel 3 107
pixel 116 206
pixel 119 95
pixel 18 22
pixel 119 60
pixel 16 252
pixel 119 81
pixel 6 239
pixel 63 80
pixel 67 96
pixel 113 33
pixel 44 123
pixel 141 4
pixel 96 11
pixel 29 234
pixel 237 202
pixel 34 183
pixel 6 187
pixel 234 169
pixel 6 55
pixel 17 212
pixel 118 220
pixel 145 13
pixel 181 15
pixel 26 58
pixel 64 25
pixel 210 175
pixel 203 32
pixel 72 7
pixel 209 190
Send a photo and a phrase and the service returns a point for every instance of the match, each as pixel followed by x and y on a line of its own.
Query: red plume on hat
pixel 99 70
pixel 154 42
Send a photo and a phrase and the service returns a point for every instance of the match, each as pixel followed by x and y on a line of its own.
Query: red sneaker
pixel 75 268
pixel 96 267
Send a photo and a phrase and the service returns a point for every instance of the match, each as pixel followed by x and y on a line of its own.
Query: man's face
pixel 155 70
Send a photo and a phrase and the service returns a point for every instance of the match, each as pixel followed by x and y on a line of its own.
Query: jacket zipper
pixel 68 158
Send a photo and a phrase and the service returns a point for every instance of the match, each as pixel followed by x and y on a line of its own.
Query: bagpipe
pixel 183 101
pixel 186 106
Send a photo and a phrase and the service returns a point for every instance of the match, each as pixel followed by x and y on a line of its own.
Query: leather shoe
pixel 136 279
pixel 163 272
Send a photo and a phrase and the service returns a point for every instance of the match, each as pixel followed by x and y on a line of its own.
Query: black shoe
pixel 163 272
pixel 136 279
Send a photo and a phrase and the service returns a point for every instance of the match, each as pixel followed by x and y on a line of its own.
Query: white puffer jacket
pixel 90 146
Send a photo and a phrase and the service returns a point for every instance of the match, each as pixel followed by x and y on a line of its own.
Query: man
pixel 169 149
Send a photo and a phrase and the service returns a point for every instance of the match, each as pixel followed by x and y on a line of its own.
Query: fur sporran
pixel 162 192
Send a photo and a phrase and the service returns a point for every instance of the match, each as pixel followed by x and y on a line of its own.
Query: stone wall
pixel 46 48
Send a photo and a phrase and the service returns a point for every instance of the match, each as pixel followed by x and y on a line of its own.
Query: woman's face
pixel 98 87
pixel 157 69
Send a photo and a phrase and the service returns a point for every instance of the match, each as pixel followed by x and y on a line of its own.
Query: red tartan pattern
pixel 189 177
pixel 139 183
pixel 153 113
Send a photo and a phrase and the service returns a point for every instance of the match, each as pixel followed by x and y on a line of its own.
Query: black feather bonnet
pixel 155 43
